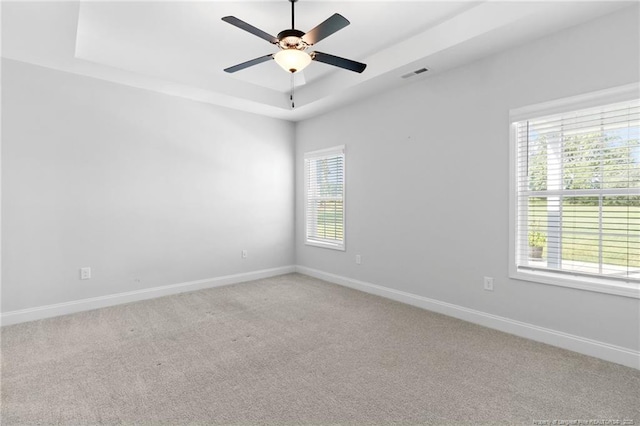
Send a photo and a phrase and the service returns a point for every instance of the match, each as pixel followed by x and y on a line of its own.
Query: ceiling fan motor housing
pixel 291 39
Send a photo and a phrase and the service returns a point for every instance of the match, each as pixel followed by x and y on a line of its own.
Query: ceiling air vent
pixel 416 72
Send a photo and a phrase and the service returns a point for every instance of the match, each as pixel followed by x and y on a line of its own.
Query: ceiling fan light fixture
pixel 292 60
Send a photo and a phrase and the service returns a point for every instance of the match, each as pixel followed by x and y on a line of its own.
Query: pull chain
pixel 293 105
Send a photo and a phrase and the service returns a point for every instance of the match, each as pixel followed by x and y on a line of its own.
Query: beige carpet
pixel 295 350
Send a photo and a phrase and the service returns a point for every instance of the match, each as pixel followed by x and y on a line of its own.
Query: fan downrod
pixel 293 14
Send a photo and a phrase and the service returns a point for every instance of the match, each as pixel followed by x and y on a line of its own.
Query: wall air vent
pixel 416 72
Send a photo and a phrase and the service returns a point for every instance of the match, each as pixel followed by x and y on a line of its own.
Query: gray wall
pixel 428 180
pixel 146 189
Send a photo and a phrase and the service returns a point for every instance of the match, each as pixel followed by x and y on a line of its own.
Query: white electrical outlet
pixel 358 259
pixel 244 254
pixel 85 273
pixel 488 283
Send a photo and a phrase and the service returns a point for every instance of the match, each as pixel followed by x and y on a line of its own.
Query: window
pixel 576 195
pixel 324 197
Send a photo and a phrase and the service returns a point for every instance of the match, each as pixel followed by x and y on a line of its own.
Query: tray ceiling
pixel 181 48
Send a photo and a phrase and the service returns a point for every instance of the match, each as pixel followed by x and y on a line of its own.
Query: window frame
pixel 597 284
pixel 325 152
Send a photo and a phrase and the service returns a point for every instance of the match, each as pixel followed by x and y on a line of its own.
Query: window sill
pixel 325 245
pixel 598 285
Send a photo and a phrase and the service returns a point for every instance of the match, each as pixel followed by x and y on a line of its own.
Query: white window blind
pixel 578 193
pixel 324 197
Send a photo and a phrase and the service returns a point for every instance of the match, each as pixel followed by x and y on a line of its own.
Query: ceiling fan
pixel 293 43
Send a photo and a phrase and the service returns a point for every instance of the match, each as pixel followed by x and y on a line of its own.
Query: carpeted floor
pixel 295 350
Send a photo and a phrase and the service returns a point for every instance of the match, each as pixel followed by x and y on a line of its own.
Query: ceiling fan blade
pixel 250 28
pixel 337 61
pixel 250 63
pixel 334 23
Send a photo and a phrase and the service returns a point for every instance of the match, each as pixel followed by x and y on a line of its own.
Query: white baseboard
pixel 605 351
pixel 40 312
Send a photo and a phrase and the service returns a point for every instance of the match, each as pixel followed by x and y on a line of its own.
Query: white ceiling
pixel 181 48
